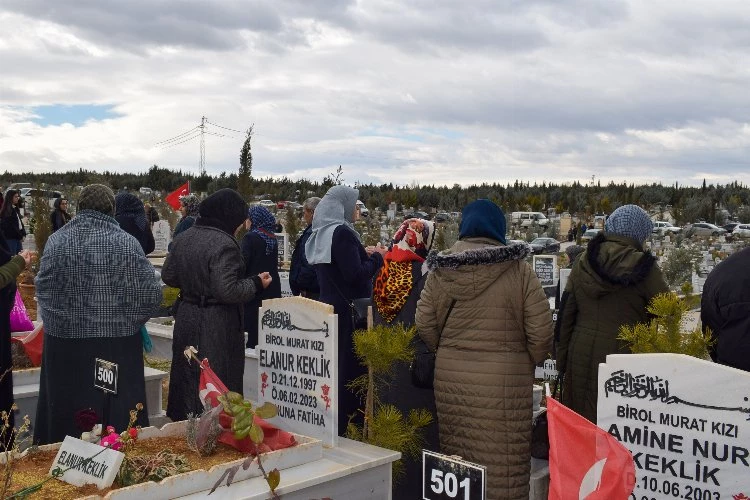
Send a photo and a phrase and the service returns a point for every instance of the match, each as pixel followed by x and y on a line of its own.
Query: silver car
pixel 741 231
pixel 706 229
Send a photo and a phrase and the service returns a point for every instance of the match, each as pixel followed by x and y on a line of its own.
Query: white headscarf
pixel 335 209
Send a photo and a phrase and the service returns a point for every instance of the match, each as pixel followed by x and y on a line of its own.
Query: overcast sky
pixel 422 91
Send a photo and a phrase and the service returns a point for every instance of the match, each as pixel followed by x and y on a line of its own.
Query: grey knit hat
pixel 573 252
pixel 97 197
pixel 630 221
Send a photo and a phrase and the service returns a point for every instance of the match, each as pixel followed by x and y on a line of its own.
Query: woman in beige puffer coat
pixel 499 327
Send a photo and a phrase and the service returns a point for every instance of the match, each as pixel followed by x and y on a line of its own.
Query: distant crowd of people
pixel 478 305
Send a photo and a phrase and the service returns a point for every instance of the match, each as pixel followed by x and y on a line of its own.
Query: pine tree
pixel 244 177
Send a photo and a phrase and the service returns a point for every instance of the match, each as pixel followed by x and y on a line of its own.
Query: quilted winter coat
pixel 499 328
pixel 610 286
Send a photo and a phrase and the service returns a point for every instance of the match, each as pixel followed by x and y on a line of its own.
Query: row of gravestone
pixel 685 420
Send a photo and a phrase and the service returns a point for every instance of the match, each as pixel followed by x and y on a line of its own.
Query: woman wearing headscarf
pixel 59 215
pixel 345 270
pixel 610 286
pixel 261 253
pixel 189 206
pixel 206 265
pixel 11 222
pixel 11 265
pixel 484 312
pixel 131 215
pixel 397 287
pixel 95 289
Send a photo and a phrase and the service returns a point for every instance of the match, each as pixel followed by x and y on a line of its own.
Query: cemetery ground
pixel 704 254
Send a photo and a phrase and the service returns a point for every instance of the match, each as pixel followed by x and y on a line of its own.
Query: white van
pixel 526 219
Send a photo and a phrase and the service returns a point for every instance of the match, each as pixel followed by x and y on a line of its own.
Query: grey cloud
pixel 135 23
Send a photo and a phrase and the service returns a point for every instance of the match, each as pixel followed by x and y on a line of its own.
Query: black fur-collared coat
pixel 610 285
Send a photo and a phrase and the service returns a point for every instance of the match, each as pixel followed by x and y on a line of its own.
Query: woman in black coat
pixel 206 265
pixel 345 270
pixel 395 294
pixel 261 253
pixel 11 221
pixel 59 216
pixel 11 266
pixel 131 215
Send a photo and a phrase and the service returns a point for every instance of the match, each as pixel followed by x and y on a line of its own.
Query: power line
pixel 178 143
pixel 179 136
pixel 226 128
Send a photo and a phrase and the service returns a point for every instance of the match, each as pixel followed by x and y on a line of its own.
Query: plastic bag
pixel 19 318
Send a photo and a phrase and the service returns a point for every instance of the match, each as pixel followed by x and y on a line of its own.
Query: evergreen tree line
pixel 688 204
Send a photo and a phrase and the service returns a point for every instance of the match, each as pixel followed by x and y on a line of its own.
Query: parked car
pixel 442 217
pixel 145 191
pixel 589 235
pixel 49 195
pixel 730 226
pixel 705 229
pixel 661 227
pixel 267 203
pixel 526 219
pixel 363 211
pixel 741 231
pixel 545 245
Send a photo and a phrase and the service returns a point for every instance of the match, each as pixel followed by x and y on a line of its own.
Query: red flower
pixel 133 433
pixel 85 419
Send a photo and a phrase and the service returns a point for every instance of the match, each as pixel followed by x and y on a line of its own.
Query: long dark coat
pixel 348 276
pixel 499 328
pixel 11 268
pixel 257 261
pixel 302 277
pixel 405 396
pixel 610 285
pixel 725 310
pixel 206 262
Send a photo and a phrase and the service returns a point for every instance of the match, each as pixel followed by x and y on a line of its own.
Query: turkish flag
pixel 173 198
pixel 210 388
pixel 585 462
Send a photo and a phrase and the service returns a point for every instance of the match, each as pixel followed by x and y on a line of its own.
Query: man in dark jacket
pixel 725 310
pixel 302 278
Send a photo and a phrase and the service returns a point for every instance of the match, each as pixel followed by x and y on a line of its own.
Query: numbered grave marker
pixel 445 477
pixel 105 375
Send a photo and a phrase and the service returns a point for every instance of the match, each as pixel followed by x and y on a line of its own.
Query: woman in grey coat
pixel 206 265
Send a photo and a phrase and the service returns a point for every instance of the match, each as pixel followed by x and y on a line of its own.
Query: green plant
pixel 42 223
pixel 292 226
pixel 242 414
pixel 203 432
pixel 379 348
pixel 169 295
pixel 665 332
pixel 678 266
pixel 142 468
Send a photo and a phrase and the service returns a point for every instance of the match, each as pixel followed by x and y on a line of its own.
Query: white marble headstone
pixel 100 469
pixel 298 366
pixel 162 236
pixel 686 421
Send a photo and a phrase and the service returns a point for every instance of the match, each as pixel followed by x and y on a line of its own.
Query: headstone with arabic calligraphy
pixel 298 366
pixel 686 421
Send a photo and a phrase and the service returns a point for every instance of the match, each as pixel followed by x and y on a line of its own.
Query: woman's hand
pixel 26 254
pixel 376 249
pixel 265 279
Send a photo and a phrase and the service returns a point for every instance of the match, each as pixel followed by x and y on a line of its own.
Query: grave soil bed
pixel 34 467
